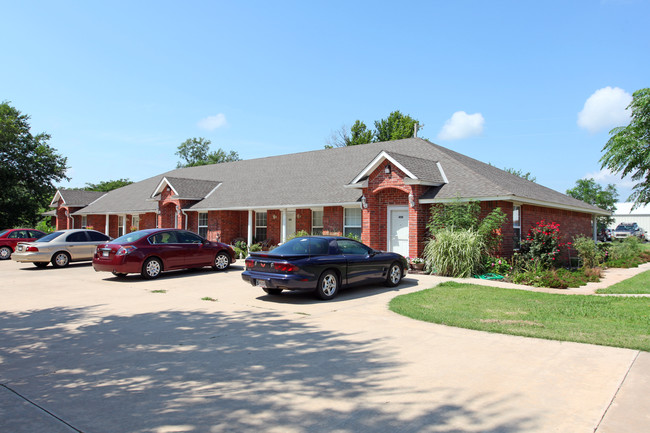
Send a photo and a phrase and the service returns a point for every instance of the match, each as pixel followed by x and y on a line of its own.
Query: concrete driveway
pixel 83 351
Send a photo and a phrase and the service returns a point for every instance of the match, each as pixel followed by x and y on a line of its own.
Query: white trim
pixel 107 224
pixel 358 185
pixel 383 155
pixel 284 206
pixel 58 193
pixel 442 172
pixel 409 181
pixel 389 225
pixel 213 190
pixel 249 239
pixel 522 200
pixel 159 190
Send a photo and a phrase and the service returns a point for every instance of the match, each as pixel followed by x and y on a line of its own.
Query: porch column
pixel 249 239
pixel 108 217
pixel 594 222
pixel 283 235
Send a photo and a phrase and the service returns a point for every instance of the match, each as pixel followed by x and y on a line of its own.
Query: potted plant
pixel 417 263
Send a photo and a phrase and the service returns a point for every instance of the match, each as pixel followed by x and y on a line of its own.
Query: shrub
pixel 298 234
pixel 556 278
pixel 542 245
pixel 255 248
pixel 241 250
pixel 353 237
pixel 454 253
pixel 466 216
pixel 497 265
pixel 588 252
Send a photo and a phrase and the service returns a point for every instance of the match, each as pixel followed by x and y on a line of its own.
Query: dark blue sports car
pixel 323 264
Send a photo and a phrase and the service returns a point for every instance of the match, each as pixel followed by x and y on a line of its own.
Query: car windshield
pixel 303 246
pixel 624 227
pixel 129 237
pixel 49 237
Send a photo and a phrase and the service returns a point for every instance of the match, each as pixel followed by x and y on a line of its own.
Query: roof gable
pixel 76 197
pixel 186 189
pixel 418 170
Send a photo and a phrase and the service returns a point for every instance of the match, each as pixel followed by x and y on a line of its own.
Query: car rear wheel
pixel 394 275
pixel 272 291
pixel 5 253
pixel 40 264
pixel 60 259
pixel 221 261
pixel 328 285
pixel 151 268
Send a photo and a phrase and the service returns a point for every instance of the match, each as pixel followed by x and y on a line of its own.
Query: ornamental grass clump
pixel 455 253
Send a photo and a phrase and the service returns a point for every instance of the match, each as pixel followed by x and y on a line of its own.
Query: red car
pixel 9 239
pixel 150 252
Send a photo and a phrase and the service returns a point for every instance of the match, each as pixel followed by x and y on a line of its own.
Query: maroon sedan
pixel 9 239
pixel 150 252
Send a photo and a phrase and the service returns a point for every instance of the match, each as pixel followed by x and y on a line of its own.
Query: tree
pixel 628 149
pixel 590 192
pixel 395 127
pixel 107 185
pixel 520 173
pixel 196 151
pixel 28 168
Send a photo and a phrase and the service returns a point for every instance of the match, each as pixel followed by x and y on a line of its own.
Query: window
pixel 317 222
pixel 96 236
pixel 350 247
pixel 260 226
pixel 135 223
pixel 352 222
pixel 84 221
pixel 120 225
pixel 516 225
pixel 77 237
pixel 203 224
pixel 188 238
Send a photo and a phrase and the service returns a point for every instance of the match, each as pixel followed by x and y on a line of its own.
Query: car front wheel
pixel 151 268
pixel 221 261
pixel 5 253
pixel 60 260
pixel 394 275
pixel 328 285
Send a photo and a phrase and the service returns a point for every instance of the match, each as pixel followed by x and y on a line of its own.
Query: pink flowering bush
pixel 542 245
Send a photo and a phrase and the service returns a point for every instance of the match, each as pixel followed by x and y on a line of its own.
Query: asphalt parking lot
pixel 199 351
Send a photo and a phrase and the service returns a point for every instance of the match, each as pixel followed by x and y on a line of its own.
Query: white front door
pixel 398 231
pixel 291 222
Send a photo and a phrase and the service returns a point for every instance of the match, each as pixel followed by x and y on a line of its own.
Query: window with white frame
pixel 135 222
pixel 84 221
pixel 260 226
pixel 317 222
pixel 516 225
pixel 352 222
pixel 203 224
pixel 120 225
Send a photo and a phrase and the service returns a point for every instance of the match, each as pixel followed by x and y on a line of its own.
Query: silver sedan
pixel 60 248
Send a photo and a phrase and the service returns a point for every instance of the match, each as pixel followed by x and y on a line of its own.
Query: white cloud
pixel 605 177
pixel 211 123
pixel 605 109
pixel 462 125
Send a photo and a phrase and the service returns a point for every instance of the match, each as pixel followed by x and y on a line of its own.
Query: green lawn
pixel 636 285
pixel 607 321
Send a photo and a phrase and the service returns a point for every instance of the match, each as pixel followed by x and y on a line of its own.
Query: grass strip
pixel 639 284
pixel 606 321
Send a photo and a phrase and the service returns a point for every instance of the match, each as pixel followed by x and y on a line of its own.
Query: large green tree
pixel 28 169
pixel 395 127
pixel 196 151
pixel 590 192
pixel 628 149
pixel 107 185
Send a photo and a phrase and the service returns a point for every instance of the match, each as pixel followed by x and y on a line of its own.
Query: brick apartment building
pixel 381 192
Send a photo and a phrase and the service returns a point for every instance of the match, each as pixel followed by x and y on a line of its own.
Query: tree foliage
pixel 395 127
pixel 28 168
pixel 520 173
pixel 196 151
pixel 628 149
pixel 590 192
pixel 107 185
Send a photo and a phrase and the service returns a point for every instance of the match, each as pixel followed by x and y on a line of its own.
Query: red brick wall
pixel 303 220
pixel 227 225
pixel 333 220
pixel 148 220
pixel 97 222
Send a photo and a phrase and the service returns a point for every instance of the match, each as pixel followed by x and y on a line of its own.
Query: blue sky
pixel 534 86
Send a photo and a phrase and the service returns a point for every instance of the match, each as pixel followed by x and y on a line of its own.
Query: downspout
pixel 68 218
pixel 595 224
pixel 186 217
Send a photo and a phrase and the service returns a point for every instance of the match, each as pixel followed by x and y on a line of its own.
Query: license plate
pixel 260 283
pixel 105 253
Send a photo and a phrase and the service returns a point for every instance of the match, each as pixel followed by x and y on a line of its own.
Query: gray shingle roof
pixel 318 178
pixel 79 197
pixel 192 188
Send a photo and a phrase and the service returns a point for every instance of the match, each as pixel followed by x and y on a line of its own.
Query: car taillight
pixel 123 251
pixel 285 267
pixel 32 249
pixel 250 263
